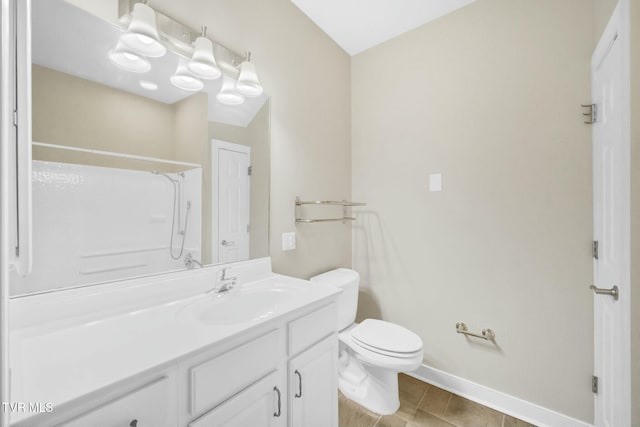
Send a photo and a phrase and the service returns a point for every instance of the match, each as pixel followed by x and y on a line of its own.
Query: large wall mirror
pixel 133 176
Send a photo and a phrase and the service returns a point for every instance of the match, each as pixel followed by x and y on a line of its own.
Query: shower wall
pixel 94 224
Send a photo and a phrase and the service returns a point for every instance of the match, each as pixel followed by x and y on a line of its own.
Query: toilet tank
pixel 348 280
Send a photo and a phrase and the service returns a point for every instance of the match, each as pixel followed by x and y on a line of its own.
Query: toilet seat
pixel 386 338
pixel 368 344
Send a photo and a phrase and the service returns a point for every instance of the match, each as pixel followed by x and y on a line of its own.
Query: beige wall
pixel 71 111
pixel 190 137
pixel 602 12
pixel 490 97
pixel 307 76
pixel 259 139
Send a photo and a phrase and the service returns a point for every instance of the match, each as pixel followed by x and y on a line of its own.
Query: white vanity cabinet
pixel 242 384
pixel 280 373
pixel 313 369
pixel 258 383
pixel 313 386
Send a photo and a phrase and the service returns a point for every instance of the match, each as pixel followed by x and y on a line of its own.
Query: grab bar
pixel 487 334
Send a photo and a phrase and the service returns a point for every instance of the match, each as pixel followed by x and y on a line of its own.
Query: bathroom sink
pixel 244 305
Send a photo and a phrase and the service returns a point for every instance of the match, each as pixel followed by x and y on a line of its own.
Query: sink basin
pixel 244 305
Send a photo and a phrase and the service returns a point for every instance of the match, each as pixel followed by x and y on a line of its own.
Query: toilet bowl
pixel 371 353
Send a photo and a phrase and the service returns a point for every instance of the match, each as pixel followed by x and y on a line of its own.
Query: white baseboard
pixel 516 407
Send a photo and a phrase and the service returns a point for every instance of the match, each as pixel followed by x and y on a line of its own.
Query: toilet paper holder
pixel 487 334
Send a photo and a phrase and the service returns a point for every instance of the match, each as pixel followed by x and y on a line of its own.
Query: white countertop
pixel 59 358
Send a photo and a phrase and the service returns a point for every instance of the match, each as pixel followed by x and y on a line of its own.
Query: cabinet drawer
pixel 223 376
pixel 151 405
pixel 312 328
pixel 260 405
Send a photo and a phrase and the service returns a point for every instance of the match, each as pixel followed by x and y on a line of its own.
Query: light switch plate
pixel 435 182
pixel 288 241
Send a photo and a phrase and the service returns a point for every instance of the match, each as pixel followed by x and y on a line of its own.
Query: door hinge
pixel 248 228
pixel 594 249
pixel 15 118
pixel 594 384
pixel 592 113
pixel 249 170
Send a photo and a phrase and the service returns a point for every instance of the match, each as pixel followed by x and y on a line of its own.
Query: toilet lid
pixel 380 335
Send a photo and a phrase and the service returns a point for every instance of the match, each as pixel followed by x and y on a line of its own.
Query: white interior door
pixel 232 193
pixel 611 227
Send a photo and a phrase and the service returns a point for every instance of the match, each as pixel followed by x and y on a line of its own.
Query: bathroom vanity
pixel 161 351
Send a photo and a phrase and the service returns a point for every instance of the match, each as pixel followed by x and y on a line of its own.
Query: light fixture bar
pixel 180 38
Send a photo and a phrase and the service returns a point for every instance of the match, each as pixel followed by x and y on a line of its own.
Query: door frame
pixel 218 144
pixel 6 124
pixel 619 24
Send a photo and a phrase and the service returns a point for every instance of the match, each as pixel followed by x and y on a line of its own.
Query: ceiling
pixel 357 25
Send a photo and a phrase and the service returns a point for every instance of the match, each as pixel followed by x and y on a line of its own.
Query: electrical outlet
pixel 288 241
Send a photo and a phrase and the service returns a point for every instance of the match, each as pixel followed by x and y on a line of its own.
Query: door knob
pixel 601 291
pixel 226 243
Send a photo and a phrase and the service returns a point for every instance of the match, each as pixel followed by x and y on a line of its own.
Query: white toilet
pixel 371 352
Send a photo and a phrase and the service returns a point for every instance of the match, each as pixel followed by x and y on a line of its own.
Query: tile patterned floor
pixel 425 405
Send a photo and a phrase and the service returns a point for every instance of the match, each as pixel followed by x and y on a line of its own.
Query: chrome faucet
pixel 224 283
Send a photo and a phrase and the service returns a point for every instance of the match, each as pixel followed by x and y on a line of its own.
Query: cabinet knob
pixel 278 412
pixel 133 423
pixel 299 393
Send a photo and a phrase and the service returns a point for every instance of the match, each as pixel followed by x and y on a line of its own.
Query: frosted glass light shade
pixel 124 58
pixel 248 83
pixel 142 35
pixel 183 79
pixel 202 63
pixel 228 94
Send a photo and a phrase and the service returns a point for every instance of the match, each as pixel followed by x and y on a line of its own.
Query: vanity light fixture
pixel 128 60
pixel 248 83
pixel 142 35
pixel 148 85
pixel 183 79
pixel 149 34
pixel 203 64
pixel 228 94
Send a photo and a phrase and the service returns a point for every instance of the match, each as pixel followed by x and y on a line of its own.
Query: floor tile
pixel 411 386
pixel 350 414
pixel 509 421
pixel 424 405
pixel 411 391
pixel 435 401
pixel 425 419
pixel 465 413
pixel 391 421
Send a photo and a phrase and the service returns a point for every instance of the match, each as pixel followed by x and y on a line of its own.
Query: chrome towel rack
pixel 487 334
pixel 328 202
pixel 344 203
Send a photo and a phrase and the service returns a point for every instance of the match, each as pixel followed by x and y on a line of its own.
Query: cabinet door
pixel 313 386
pixel 259 405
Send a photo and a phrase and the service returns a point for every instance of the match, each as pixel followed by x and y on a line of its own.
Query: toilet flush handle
pixel 299 393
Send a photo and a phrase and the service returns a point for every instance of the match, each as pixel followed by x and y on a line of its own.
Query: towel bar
pixel 345 212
